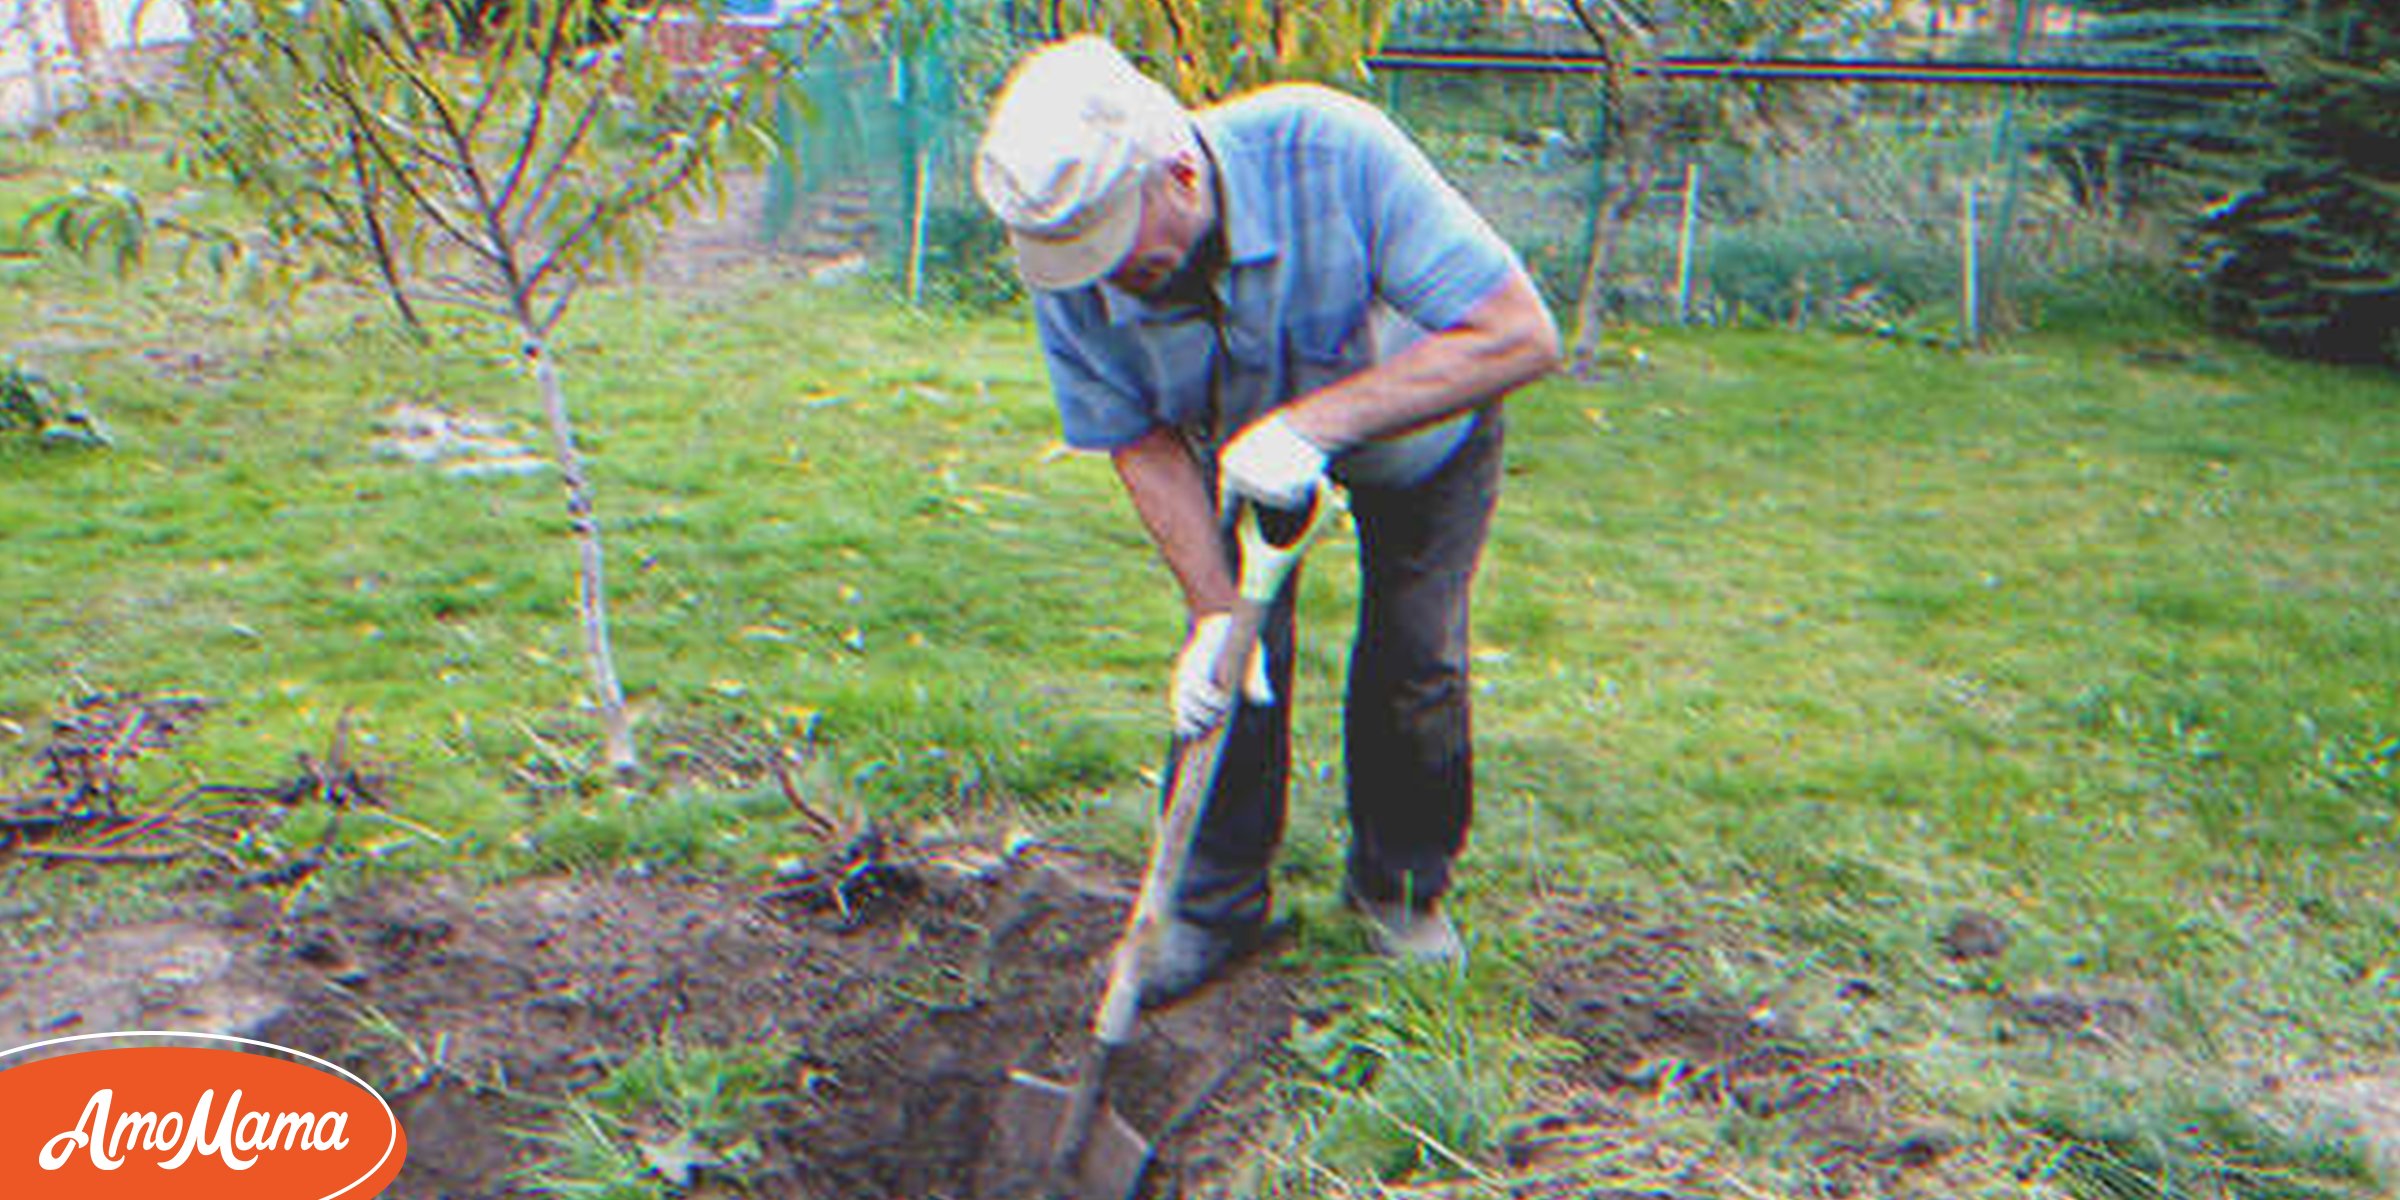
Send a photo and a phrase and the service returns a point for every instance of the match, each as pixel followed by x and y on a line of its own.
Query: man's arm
pixel 1171 494
pixel 1507 340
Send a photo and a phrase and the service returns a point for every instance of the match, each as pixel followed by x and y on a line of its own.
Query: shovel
pixel 1063 1132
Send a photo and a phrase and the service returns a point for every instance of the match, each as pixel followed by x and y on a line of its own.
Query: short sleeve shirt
pixel 1343 244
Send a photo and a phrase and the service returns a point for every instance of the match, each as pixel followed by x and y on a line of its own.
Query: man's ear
pixel 1186 171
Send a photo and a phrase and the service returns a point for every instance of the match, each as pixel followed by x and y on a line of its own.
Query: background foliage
pixel 2302 247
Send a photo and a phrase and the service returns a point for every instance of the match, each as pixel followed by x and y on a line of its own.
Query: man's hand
pixel 1269 462
pixel 1197 700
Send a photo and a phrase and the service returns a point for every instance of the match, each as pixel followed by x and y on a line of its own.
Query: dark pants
pixel 1407 745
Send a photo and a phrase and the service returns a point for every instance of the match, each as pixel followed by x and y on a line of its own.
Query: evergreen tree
pixel 2302 250
pixel 2119 147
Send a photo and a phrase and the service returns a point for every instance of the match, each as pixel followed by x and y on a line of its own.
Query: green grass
pixel 1810 639
pixel 668 1113
pixel 1420 1075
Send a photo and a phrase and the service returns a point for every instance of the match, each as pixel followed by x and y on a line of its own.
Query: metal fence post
pixel 1683 247
pixel 1970 304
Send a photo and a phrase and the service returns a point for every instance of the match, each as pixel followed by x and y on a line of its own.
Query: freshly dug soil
pixel 908 981
pixel 907 1002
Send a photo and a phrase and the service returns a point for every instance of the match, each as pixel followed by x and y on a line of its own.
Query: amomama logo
pixel 99 1120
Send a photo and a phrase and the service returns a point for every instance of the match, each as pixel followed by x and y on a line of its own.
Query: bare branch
pixel 494 62
pixel 70 854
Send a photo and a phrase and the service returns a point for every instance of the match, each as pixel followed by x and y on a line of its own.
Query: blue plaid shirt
pixel 1342 244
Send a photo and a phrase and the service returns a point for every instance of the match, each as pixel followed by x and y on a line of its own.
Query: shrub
pixel 967 260
pixel 32 403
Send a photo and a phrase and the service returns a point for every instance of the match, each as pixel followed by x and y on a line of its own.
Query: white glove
pixel 1271 463
pixel 1197 701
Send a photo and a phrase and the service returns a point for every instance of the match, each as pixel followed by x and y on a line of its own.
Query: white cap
pixel 1070 140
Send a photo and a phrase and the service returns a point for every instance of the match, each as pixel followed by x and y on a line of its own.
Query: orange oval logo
pixel 113 1121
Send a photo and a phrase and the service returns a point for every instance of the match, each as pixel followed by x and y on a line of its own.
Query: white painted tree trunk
pixel 616 728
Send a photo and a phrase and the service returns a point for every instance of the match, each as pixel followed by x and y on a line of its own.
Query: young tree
pixel 496 161
pixel 1208 49
pixel 1647 123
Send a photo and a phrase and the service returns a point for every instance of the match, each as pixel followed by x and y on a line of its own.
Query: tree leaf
pixel 677 1159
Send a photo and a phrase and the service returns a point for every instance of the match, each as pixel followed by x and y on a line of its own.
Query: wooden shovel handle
pixel 1265 565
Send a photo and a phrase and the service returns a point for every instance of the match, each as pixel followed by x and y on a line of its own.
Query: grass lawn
pixel 1813 641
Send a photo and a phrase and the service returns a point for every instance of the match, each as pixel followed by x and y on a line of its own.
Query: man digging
pixel 1233 303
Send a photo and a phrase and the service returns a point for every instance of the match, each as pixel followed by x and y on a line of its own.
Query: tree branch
pixel 411 71
pixel 499 250
pixel 345 93
pixel 608 208
pixel 434 210
pixel 558 304
pixel 368 196
pixel 539 102
pixel 563 158
pixel 413 142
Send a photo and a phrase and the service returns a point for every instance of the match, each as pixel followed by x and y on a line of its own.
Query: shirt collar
pixel 1249 233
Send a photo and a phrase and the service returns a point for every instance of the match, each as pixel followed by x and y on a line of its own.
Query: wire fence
pixel 1896 208
pixel 1886 200
pixel 1911 207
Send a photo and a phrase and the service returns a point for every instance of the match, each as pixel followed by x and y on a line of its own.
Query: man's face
pixel 1175 213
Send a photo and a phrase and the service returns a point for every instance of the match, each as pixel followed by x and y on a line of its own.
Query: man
pixel 1234 302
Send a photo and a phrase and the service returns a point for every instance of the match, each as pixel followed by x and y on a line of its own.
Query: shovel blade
pixel 1030 1111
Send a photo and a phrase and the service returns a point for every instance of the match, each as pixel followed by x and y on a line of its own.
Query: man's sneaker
pixel 1411 933
pixel 1182 955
